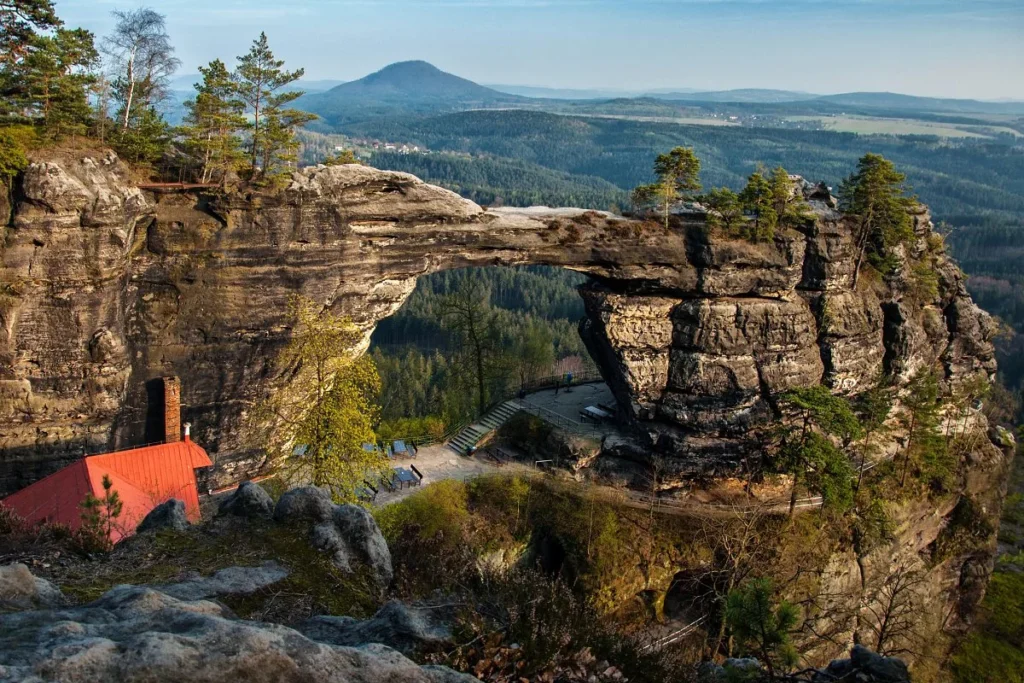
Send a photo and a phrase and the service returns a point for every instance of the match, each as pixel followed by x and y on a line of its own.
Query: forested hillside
pixel 495 181
pixel 529 316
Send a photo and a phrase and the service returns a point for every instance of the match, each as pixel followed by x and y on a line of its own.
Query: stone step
pixel 474 433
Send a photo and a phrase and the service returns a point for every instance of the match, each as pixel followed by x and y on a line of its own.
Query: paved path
pixel 439 462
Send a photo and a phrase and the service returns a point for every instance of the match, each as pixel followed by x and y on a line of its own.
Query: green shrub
pixel 416 429
pixel 986 659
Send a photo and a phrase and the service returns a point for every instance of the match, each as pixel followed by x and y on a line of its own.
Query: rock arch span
pixel 107 286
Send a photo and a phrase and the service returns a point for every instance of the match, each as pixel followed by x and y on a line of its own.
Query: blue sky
pixel 947 48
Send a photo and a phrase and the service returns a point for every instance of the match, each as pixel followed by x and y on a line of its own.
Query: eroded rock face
pixel 697 334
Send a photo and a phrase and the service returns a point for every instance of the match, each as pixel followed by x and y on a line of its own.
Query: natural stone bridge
pixel 105 286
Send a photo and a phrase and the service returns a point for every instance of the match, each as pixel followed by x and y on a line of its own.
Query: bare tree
pixel 742 543
pixel 893 612
pixel 142 59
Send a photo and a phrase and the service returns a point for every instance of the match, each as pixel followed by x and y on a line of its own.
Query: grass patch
pixel 994 653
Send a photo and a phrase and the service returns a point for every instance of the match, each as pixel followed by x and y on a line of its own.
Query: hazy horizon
pixel 931 48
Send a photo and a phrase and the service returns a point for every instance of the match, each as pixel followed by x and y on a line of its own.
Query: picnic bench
pixel 401 448
pixel 407 477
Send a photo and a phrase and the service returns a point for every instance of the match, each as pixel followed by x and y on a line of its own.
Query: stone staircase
pixel 475 432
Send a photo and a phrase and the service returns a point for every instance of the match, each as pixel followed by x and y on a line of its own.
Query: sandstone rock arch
pixel 108 286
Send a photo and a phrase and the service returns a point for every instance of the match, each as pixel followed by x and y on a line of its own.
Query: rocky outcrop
pixel 397 625
pixel 109 287
pixel 248 500
pixel 864 666
pixel 167 515
pixel 347 533
pixel 20 590
pixel 230 581
pixel 136 634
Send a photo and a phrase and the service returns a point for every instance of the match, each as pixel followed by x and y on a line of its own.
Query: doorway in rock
pixel 470 336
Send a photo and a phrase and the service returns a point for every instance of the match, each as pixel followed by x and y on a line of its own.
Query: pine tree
pixel 56 79
pixel 146 140
pixel 761 627
pixel 875 199
pixel 272 140
pixel 678 174
pixel 280 144
pixel 809 455
pixel 724 210
pixel 213 122
pixel 788 202
pixel 98 517
pixel 21 21
pixel 759 201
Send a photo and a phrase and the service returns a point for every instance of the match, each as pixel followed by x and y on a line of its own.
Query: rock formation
pixel 134 633
pixel 105 287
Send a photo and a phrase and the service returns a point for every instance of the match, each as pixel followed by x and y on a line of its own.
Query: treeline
pixel 57 83
pixel 494 181
pixel 524 326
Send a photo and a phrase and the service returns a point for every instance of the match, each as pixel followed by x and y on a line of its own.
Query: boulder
pixel 352 535
pixel 304 504
pixel 248 500
pixel 229 581
pixel 406 629
pixel 864 666
pixel 19 589
pixel 134 634
pixel 364 539
pixel 169 515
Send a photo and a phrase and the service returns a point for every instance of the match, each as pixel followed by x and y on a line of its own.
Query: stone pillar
pixel 172 409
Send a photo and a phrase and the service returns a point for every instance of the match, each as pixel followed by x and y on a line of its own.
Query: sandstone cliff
pixel 105 287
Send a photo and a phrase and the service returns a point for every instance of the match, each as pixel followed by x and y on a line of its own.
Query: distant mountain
pixel 402 88
pixel 895 101
pixel 746 95
pixel 564 93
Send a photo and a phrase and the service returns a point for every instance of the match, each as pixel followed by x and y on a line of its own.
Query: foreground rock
pixel 19 590
pixel 140 635
pixel 406 629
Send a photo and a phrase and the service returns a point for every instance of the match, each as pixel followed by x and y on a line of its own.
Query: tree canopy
pixel 875 198
pixel 315 426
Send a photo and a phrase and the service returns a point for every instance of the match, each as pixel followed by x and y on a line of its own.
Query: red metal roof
pixel 142 477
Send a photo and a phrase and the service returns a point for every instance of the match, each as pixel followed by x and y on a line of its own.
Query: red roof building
pixel 143 478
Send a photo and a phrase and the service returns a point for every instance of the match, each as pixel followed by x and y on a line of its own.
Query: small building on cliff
pixel 143 477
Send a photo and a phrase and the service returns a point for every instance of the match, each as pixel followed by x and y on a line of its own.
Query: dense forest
pixel 495 181
pixel 531 313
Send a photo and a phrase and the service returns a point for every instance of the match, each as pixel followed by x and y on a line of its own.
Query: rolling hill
pixel 896 101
